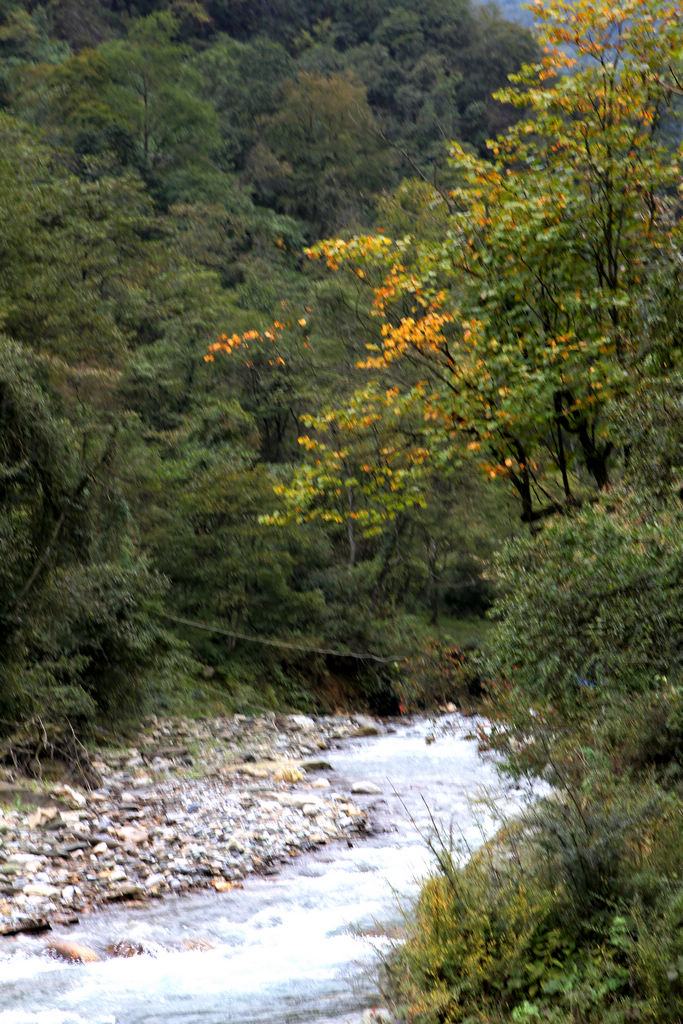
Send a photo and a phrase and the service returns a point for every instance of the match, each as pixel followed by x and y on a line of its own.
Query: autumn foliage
pixel 526 318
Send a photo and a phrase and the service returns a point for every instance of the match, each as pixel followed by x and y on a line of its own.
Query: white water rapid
pixel 293 949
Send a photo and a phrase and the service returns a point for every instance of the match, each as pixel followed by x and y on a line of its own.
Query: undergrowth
pixel 573 913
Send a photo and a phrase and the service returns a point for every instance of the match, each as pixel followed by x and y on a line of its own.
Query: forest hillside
pixel 162 166
pixel 340 366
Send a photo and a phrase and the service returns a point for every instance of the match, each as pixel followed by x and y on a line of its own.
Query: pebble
pixel 69 894
pixel 72 952
pixel 40 889
pixel 315 765
pixel 303 722
pixel 367 788
pixel 154 881
pixel 201 815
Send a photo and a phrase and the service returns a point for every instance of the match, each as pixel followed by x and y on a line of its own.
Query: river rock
pixel 132 834
pixel 185 830
pixel 302 722
pixel 70 795
pixel 366 726
pixel 115 874
pixel 102 840
pixel 69 818
pixel 40 889
pixel 365 788
pixel 72 952
pixel 125 948
pixel 288 773
pixel 298 800
pixel 125 891
pixel 29 861
pixel 41 817
pixel 25 926
pixel 66 849
pixel 154 881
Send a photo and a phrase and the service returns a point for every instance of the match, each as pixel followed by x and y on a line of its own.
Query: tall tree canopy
pixel 531 308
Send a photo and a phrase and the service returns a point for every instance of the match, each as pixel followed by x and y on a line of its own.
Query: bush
pixel 91 654
pixel 588 636
pixel 594 602
pixel 572 915
pixel 439 674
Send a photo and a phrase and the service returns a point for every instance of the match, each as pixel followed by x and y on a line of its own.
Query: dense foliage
pixel 574 912
pixel 560 363
pixel 161 167
pixel 235 475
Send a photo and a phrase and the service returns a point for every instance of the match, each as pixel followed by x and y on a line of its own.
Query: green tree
pixel 325 163
pixel 78 636
pixel 24 40
pixel 71 303
pixel 527 314
pixel 134 104
pixel 155 98
pixel 243 80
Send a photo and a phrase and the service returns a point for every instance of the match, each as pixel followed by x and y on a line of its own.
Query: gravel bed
pixel 189 805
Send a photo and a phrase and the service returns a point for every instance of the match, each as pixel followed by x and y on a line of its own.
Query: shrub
pixel 572 915
pixel 588 636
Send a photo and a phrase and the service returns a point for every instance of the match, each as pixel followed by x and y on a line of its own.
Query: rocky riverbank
pixel 189 805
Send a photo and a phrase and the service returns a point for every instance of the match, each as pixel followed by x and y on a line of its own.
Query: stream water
pixel 299 948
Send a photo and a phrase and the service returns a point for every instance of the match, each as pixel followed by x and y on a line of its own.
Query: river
pixel 302 947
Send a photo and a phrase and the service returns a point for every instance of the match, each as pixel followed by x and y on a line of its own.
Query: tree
pixel 79 603
pixel 529 313
pixel 155 97
pixel 23 40
pixel 550 315
pixel 363 466
pixel 78 634
pixel 70 304
pixel 243 82
pixel 133 104
pixel 326 162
